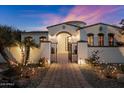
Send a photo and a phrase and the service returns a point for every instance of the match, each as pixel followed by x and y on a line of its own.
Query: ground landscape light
pixel 82 61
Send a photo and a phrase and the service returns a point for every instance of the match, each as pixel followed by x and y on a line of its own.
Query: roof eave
pixel 101 23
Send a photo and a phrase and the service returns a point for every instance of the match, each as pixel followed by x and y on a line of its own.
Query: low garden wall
pixel 108 54
pixel 35 53
pixel 43 51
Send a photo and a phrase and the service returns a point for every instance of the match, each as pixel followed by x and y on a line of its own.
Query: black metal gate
pixel 53 52
pixel 72 52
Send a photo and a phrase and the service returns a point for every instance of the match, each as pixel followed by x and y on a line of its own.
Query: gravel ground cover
pixel 97 81
pixel 36 80
pixel 29 79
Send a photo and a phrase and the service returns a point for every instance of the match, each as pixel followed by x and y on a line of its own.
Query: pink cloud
pixel 88 14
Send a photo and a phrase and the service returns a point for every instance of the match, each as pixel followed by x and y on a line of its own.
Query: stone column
pixel 82 52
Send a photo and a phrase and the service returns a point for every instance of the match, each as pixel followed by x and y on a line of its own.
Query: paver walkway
pixel 63 58
pixel 64 75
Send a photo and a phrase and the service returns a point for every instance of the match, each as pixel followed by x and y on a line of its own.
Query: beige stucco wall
pixel 108 54
pixel 43 51
pixel 35 53
pixel 82 52
pixel 105 30
pixel 59 28
pixel 46 51
pixel 35 36
pixel 53 31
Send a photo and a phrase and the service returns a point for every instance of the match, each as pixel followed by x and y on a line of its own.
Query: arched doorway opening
pixel 63 40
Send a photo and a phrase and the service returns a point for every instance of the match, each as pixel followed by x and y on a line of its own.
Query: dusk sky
pixel 31 18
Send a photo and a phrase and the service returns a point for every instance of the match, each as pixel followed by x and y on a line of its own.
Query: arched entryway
pixel 64 47
pixel 63 39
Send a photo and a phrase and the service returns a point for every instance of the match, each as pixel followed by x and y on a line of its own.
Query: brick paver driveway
pixel 64 75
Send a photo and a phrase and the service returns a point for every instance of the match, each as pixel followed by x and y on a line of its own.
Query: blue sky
pixel 39 17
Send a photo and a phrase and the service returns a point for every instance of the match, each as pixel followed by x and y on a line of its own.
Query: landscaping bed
pixel 99 79
pixel 30 76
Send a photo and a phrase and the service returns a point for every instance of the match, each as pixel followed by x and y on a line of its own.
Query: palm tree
pixel 28 44
pixel 121 36
pixel 8 37
pixel 122 23
pixel 122 26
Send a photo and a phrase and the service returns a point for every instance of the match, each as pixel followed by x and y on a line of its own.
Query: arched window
pixel 90 39
pixel 111 39
pixel 43 38
pixel 101 39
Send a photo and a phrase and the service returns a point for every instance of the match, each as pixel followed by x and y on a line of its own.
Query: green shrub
pixel 94 59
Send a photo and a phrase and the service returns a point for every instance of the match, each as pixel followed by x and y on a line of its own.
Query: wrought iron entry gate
pixel 53 52
pixel 72 52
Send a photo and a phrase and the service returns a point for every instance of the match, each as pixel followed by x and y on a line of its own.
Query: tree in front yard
pixel 122 23
pixel 28 43
pixel 9 36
